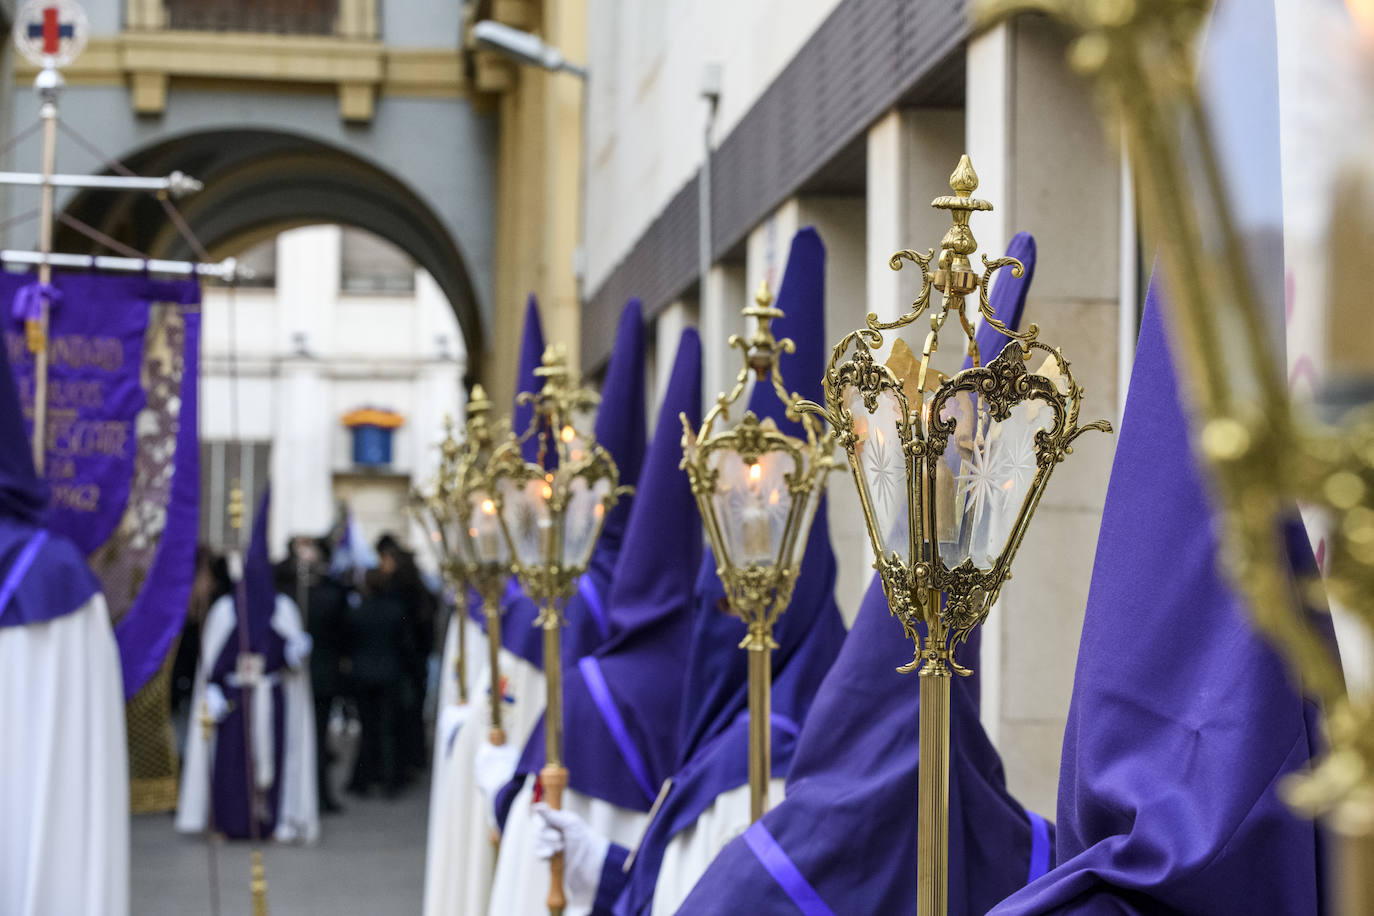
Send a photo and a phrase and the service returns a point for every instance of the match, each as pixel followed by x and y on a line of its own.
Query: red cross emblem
pixel 50 31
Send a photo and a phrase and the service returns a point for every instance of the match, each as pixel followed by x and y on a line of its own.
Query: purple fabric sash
pixel 1040 847
pixel 605 704
pixel 20 569
pixel 587 589
pixel 775 861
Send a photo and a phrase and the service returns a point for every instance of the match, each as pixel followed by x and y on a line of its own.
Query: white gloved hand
pixel 216 706
pixel 452 718
pixel 493 768
pixel 584 850
pixel 297 649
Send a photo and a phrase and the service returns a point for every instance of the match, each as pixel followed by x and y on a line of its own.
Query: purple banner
pixel 96 329
pixel 122 453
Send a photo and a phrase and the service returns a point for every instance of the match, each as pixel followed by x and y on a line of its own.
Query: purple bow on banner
pixel 28 301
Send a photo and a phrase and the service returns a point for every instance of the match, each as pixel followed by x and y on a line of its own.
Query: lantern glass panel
pixel 586 510
pixel 807 509
pixel 752 503
pixel 985 477
pixel 525 509
pixel 487 543
pixel 883 468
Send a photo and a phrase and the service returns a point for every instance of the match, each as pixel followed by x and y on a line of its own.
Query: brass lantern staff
pixel 949 472
pixel 757 489
pixel 470 499
pixel 1263 456
pixel 433 511
pixel 550 512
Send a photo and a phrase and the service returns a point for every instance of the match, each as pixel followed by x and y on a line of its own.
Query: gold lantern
pixel 550 512
pixel 949 472
pixel 757 489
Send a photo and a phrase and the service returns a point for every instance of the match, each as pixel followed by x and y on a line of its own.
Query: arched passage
pixel 258 182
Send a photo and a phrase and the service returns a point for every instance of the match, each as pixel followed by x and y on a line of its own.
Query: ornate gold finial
pixel 553 367
pixel 763 297
pixel 955 275
pixel 761 349
pixel 478 402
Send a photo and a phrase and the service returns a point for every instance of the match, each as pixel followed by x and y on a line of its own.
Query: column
pixel 668 328
pixel 719 314
pixel 1044 162
pixel 840 221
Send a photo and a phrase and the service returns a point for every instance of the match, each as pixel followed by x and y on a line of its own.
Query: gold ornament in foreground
pixel 1264 455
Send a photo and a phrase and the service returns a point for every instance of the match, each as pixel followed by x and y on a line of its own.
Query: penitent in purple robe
pixel 1182 722
pixel 855 774
pixel 230 796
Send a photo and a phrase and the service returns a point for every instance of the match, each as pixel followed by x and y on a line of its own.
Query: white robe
pixel 692 850
pixel 298 816
pixel 64 777
pixel 521 887
pixel 459 856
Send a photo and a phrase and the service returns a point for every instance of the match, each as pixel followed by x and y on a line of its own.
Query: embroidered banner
pixel 122 458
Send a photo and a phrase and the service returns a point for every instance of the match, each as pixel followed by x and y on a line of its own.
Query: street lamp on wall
pixel 523 47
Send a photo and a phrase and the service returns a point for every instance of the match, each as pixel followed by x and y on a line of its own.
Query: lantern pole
pixel 935 425
pixel 534 502
pixel 760 570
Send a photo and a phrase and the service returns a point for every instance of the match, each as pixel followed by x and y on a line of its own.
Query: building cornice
pixel 358 70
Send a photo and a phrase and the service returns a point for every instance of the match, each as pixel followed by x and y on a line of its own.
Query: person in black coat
pixel 383 650
pixel 404 582
pixel 323 602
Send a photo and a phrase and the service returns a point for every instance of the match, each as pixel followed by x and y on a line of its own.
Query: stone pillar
pixel 841 223
pixel 668 328
pixel 302 451
pixel 911 153
pixel 1042 160
pixel 304 418
pixel 719 315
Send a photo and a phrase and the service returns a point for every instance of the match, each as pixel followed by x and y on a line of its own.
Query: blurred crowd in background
pixel 374 622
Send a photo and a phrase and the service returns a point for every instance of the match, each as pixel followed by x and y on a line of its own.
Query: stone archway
pixel 258 182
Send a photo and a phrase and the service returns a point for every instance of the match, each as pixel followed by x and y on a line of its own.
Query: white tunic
pixel 64 777
pixel 522 878
pixel 459 857
pixel 692 850
pixel 298 816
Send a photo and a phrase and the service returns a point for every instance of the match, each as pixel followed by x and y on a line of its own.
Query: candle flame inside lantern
pixel 755 473
pixel 488 507
pixel 568 434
